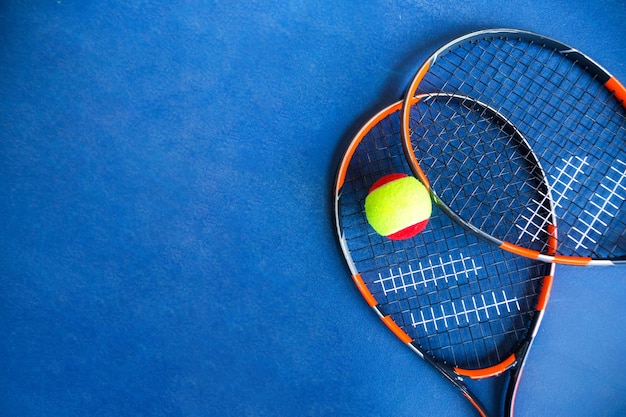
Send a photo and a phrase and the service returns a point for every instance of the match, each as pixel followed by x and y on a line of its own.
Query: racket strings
pixel 454 330
pixel 482 171
pixel 565 112
pixel 586 220
pixel 450 307
pixel 463 302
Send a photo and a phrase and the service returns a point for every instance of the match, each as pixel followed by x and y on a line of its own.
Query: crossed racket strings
pixel 448 306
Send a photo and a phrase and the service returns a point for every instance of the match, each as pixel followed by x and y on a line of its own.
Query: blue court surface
pixel 167 238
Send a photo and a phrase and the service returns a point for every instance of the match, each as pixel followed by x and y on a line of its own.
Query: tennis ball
pixel 398 206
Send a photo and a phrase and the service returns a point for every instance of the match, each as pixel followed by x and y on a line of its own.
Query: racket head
pixel 466 307
pixel 571 112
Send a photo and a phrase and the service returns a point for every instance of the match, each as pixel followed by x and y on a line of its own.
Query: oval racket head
pixel 466 307
pixel 571 112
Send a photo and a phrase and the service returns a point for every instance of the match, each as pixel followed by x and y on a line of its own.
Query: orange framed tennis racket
pixel 468 308
pixel 570 111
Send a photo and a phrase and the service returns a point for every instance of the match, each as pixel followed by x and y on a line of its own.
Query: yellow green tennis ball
pixel 398 206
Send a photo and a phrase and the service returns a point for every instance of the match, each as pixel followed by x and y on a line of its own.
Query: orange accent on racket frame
pixel 488 372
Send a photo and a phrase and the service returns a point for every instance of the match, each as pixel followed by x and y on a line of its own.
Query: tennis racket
pixel 464 306
pixel 571 112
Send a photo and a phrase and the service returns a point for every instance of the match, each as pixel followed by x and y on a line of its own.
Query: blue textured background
pixel 166 235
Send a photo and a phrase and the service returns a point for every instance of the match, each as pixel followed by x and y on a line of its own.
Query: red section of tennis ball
pixel 398 206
